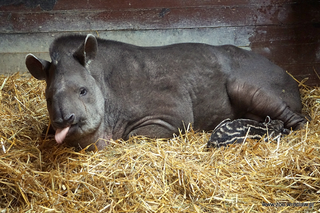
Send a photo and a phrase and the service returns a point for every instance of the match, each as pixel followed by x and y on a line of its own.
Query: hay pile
pixel 144 175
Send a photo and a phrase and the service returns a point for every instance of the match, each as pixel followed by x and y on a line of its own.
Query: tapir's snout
pixel 63 121
pixel 62 126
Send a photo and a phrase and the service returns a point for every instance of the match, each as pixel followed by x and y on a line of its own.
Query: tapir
pixel 97 89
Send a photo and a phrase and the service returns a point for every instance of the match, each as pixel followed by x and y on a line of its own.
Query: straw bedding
pixel 148 175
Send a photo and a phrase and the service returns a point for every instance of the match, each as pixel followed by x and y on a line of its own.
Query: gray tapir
pixel 106 89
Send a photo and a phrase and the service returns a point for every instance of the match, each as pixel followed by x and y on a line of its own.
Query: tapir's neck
pixel 100 138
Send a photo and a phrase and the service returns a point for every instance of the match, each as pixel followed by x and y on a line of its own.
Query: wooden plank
pixel 288 45
pixel 303 33
pixel 289 53
pixel 141 4
pixel 64 21
pixel 150 4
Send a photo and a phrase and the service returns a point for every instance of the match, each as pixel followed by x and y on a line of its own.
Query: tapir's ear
pixel 88 50
pixel 37 67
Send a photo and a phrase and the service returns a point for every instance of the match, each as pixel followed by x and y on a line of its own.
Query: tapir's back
pixel 208 83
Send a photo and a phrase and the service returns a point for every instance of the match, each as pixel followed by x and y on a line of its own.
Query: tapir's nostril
pixel 70 118
pixel 64 121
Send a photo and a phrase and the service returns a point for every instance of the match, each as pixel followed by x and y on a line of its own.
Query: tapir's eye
pixel 83 91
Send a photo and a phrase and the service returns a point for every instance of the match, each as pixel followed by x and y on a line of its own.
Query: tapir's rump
pixel 106 89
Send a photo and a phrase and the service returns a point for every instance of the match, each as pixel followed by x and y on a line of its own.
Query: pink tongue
pixel 61 134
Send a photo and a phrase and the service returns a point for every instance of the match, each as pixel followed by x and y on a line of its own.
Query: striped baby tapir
pixel 239 130
pixel 98 89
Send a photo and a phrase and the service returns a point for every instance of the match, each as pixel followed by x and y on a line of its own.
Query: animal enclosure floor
pixel 147 175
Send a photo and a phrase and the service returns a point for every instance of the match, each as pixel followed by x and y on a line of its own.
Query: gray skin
pixel 104 89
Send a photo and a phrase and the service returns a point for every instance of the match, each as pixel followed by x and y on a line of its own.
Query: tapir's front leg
pixel 154 127
pixel 153 131
pixel 257 103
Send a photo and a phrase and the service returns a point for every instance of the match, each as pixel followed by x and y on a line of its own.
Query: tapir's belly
pixel 211 103
pixel 212 111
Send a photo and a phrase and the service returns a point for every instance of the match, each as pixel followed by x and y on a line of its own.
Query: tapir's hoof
pixel 237 131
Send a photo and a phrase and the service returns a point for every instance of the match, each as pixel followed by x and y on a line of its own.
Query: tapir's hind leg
pixel 257 103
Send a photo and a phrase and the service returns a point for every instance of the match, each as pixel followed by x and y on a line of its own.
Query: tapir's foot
pixel 292 120
pixel 237 131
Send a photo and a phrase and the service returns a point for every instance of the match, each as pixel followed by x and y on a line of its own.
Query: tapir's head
pixel 74 98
